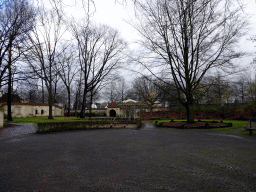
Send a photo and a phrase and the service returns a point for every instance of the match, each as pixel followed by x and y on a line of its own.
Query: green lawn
pixel 236 124
pixel 40 119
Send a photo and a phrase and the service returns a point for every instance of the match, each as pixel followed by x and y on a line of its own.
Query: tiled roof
pixel 112 105
pixel 130 103
pixel 31 104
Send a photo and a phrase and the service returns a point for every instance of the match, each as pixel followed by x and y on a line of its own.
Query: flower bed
pixel 198 124
pixel 231 115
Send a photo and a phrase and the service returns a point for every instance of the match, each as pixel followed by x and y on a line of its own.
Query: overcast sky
pixel 114 14
pixel 108 12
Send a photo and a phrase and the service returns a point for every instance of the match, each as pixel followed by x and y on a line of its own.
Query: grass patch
pixel 244 132
pixel 236 124
pixel 40 119
pixel 61 119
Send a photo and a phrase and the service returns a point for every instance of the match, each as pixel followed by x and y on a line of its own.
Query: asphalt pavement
pixel 148 159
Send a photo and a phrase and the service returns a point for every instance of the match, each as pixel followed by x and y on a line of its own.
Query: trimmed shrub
pixel 43 127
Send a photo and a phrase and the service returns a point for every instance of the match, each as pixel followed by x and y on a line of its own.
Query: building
pixel 20 109
pixel 127 108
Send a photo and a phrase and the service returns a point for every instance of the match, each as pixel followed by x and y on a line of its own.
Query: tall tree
pixel 43 54
pixel 188 38
pixel 67 70
pixel 122 88
pixel 147 90
pixel 242 88
pixel 16 19
pixel 78 88
pixel 252 90
pixel 111 90
pixel 100 50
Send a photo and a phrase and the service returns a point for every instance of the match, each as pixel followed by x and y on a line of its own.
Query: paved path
pixel 16 129
pixel 148 159
pixel 149 126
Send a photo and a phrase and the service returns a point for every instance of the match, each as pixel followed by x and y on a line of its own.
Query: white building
pixel 33 109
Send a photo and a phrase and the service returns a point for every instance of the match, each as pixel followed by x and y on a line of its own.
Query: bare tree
pixel 242 88
pixel 111 90
pixel 100 50
pixel 168 92
pixel 67 70
pixel 29 90
pixel 95 89
pixel 187 38
pixel 78 89
pixel 43 54
pixel 252 90
pixel 16 19
pixel 147 90
pixel 93 96
pixel 121 89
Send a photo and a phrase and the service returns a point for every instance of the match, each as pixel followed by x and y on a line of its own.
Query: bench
pixel 251 126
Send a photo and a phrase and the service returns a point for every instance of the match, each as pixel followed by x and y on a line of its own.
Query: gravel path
pixel 149 159
pixel 16 129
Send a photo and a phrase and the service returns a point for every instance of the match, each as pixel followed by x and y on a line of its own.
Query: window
pixel 42 112
pixel 36 112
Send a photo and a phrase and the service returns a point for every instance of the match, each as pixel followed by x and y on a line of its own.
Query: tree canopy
pixel 184 39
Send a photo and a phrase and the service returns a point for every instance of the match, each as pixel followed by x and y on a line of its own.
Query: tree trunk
pixel 9 96
pixel 82 114
pixel 90 108
pixel 55 92
pixel 78 93
pixel 50 101
pixel 75 105
pixel 50 107
pixel 77 102
pixel 68 115
pixel 50 110
pixel 42 86
pixel 190 113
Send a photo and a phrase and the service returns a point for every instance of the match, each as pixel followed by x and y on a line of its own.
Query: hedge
pixel 43 127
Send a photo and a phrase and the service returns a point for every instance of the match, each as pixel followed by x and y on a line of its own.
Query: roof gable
pixel 112 105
